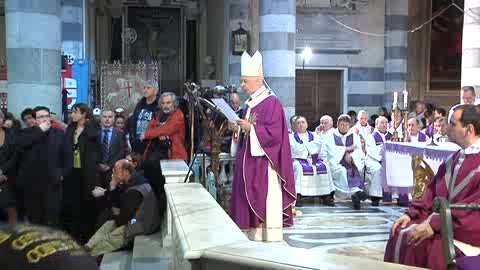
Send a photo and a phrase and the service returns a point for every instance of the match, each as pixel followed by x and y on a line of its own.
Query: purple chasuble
pixel 250 182
pixel 462 189
pixel 321 168
pixel 354 178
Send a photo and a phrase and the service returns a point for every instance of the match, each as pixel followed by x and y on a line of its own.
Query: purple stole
pixel 378 137
pixel 307 168
pixel 429 130
pixel 354 179
pixel 422 137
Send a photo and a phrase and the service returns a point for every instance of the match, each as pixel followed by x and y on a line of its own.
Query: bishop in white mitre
pixel 373 161
pixel 263 188
pixel 312 177
pixel 346 161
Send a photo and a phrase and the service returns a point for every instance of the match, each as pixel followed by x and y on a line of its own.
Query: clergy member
pixel 312 178
pixel 362 128
pixel 398 122
pixel 413 129
pixel 326 125
pixel 373 161
pixel 292 124
pixel 263 189
pixel 346 161
pixel 416 236
pixel 440 126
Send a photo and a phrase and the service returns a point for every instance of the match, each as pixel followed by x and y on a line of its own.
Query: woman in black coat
pixel 8 161
pixel 80 210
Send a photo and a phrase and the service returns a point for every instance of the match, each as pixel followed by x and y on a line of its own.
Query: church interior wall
pixel 336 46
pixel 216 40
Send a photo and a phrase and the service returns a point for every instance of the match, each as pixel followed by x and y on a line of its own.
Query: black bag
pixel 158 150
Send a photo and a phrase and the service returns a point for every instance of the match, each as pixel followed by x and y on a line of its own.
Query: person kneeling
pixel 132 210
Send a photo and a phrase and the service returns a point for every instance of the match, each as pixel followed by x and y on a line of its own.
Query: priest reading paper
pixel 415 238
pixel 263 189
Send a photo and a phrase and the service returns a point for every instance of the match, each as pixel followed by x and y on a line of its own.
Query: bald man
pixel 326 125
pixel 235 103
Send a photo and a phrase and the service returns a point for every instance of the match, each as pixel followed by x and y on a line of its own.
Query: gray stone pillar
pixel 396 49
pixel 33 33
pixel 277 45
pixel 72 28
pixel 471 47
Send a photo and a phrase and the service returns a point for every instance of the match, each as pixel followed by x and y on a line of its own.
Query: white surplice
pixel 309 185
pixel 373 166
pixel 334 155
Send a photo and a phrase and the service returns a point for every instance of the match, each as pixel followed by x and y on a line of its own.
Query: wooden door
pixel 317 93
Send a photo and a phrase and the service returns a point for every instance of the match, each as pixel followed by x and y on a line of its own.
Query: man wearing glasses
pixel 42 166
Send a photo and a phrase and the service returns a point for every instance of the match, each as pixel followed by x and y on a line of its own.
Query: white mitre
pixel 252 65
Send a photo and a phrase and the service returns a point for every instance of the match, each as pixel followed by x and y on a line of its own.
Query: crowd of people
pixel 346 161
pixel 97 177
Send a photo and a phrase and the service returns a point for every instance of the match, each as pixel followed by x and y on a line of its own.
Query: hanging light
pixel 307 54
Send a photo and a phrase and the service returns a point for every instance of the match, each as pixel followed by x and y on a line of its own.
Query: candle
pixel 405 99
pixel 395 98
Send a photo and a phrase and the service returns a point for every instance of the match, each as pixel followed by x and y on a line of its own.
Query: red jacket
pixel 174 128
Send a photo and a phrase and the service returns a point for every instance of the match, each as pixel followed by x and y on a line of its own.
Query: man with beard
pixel 164 138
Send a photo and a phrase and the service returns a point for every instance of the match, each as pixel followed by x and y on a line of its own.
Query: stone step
pixel 148 253
pixel 120 260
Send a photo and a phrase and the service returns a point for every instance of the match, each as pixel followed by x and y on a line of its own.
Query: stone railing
pixel 205 237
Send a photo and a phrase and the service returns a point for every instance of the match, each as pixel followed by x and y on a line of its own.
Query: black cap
pixel 30 247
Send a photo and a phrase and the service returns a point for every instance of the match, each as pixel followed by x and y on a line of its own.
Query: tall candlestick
pixel 395 98
pixel 405 99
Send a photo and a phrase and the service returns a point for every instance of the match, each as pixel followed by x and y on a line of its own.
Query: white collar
pixel 378 131
pixel 358 125
pixel 340 134
pixel 473 149
pixel 258 92
pixel 328 131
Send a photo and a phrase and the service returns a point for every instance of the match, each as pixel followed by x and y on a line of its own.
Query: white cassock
pixel 334 150
pixel 374 146
pixel 420 137
pixel 312 176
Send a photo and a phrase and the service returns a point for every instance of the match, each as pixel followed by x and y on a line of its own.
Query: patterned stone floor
pixel 342 230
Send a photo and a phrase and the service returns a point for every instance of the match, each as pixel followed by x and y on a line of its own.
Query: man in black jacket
pixel 43 164
pixel 144 111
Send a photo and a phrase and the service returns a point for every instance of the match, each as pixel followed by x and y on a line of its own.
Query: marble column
pixel 396 48
pixel 33 33
pixel 277 45
pixel 471 46
pixel 72 28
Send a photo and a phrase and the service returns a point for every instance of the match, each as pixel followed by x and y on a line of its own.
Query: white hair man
pixel 312 177
pixel 362 128
pixel 373 161
pixel 326 125
pixel 346 160
pixel 413 129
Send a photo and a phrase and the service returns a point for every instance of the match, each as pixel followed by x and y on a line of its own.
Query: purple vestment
pixel 353 176
pixel 429 253
pixel 250 182
pixel 321 168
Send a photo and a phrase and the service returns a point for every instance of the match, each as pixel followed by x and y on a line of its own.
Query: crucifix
pixel 129 88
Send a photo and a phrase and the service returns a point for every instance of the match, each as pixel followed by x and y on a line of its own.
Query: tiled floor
pixel 342 230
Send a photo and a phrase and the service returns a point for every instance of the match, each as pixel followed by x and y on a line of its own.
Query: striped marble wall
pixel 277 44
pixel 72 27
pixel 396 47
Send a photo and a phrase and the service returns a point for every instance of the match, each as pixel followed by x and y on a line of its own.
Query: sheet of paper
pixel 226 109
